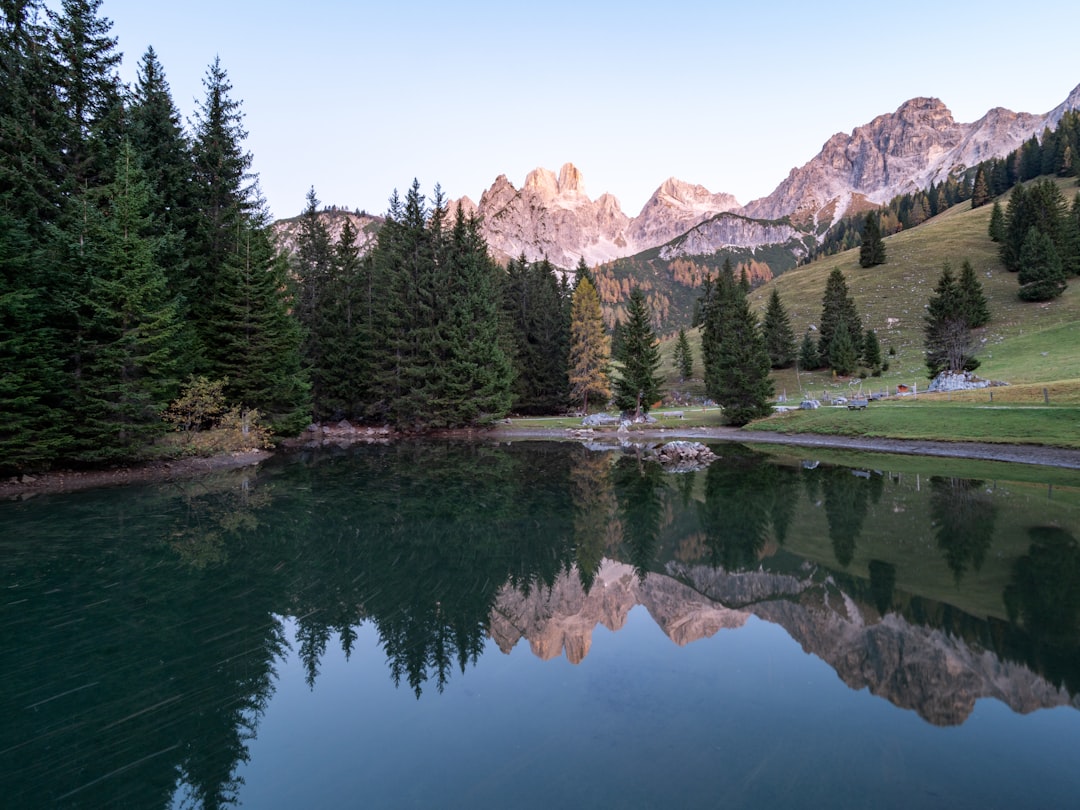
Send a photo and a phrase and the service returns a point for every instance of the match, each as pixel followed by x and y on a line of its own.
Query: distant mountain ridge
pixel 920 143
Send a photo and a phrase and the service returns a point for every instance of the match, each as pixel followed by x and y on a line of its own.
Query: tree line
pixel 134 251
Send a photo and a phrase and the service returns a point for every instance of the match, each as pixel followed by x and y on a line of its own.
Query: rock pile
pixel 681 456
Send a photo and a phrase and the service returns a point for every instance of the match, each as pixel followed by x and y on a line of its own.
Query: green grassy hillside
pixel 1024 342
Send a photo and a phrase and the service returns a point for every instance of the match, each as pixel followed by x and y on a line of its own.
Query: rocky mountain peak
pixel 570 180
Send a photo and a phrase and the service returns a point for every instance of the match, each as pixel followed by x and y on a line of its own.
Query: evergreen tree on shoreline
pixel 638 384
pixel 589 347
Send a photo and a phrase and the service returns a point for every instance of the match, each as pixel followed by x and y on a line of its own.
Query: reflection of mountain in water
pixel 937 675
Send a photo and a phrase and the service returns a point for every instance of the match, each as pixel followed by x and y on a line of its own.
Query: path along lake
pixel 544 624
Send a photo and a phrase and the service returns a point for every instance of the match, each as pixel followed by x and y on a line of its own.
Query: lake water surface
pixel 540 624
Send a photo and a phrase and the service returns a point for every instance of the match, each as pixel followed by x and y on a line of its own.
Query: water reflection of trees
pixel 136 668
pixel 1043 595
pixel 963 516
pixel 847 495
pixel 745 497
pixel 173 625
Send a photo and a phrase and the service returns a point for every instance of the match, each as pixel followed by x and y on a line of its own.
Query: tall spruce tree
pixel 35 413
pixel 478 374
pixel 980 191
pixel 534 308
pixel 948 340
pixel 345 331
pixel 736 360
pixel 779 337
pixel 973 299
pixel 838 310
pixel 89 90
pixel 996 228
pixel 312 268
pixel 222 200
pixel 684 358
pixel 808 353
pixel 128 324
pixel 637 386
pixel 872 251
pixel 872 352
pixel 1041 273
pixel 590 350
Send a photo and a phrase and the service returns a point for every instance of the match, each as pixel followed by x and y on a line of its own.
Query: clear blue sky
pixel 358 98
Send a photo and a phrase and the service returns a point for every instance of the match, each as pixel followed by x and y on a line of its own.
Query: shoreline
pixel 66 481
pixel 1032 454
pixel 62 482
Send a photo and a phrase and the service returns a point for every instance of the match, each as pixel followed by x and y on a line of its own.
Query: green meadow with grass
pixel 1034 348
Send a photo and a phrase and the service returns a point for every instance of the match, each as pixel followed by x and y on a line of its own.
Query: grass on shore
pixel 940 420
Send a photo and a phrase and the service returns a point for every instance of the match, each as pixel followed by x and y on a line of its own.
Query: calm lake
pixel 543 624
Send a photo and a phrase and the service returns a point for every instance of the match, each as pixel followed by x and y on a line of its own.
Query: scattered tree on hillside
pixel 808 353
pixel 947 333
pixel 684 359
pixel 996 229
pixel 980 191
pixel 589 347
pixel 779 337
pixel 637 386
pixel 838 313
pixel 976 308
pixel 872 353
pixel 736 360
pixel 1042 276
pixel 872 251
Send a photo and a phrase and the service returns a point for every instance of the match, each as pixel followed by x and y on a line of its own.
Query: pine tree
pixel 589 347
pixel 345 330
pixel 222 199
pixel 312 267
pixel 534 308
pixel 638 385
pixel 736 360
pixel 948 340
pixel 872 251
pixel 838 307
pixel 980 191
pixel 809 359
pixel 1042 276
pixel 582 272
pixel 684 358
pixel 158 140
pixel 843 356
pixel 976 309
pixel 478 375
pixel 89 90
pixel 779 337
pixel 996 229
pixel 128 324
pixel 872 353
pixel 257 341
pixel 35 411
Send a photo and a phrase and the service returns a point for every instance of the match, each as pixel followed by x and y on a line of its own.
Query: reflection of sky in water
pixel 742 719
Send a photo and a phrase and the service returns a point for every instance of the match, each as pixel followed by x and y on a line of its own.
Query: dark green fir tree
pixel 1041 276
pixel 872 251
pixel 684 358
pixel 779 337
pixel 838 307
pixel 638 385
pixel 808 353
pixel 973 299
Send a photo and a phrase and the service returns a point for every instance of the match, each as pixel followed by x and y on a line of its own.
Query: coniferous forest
pixel 137 266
